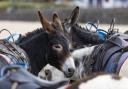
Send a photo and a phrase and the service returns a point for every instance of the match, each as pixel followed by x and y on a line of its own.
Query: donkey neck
pixel 35 45
pixel 81 53
pixel 85 36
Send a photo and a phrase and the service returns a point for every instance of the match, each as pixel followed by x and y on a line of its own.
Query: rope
pixel 9 33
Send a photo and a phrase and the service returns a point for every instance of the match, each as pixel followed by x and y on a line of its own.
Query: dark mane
pixel 38 30
pixel 31 35
pixel 80 27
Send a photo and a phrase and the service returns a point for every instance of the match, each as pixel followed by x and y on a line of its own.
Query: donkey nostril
pixel 71 70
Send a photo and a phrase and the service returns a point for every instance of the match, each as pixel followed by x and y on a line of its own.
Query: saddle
pixel 16 77
pixel 113 55
pixel 13 54
pixel 113 48
pixel 120 40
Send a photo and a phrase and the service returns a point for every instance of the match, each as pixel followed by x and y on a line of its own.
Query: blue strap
pixel 17 40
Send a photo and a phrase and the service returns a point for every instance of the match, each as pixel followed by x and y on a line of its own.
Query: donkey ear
pixel 72 19
pixel 57 21
pixel 45 24
pixel 74 15
pixel 55 16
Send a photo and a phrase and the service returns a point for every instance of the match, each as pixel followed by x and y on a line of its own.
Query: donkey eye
pixel 57 47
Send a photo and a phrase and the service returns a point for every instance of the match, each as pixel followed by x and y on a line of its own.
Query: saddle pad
pixel 112 63
pixel 108 54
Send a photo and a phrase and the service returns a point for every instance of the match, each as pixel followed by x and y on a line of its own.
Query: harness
pixel 12 54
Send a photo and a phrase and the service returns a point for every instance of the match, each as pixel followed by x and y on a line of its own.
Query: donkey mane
pixel 30 35
pixel 79 27
pixel 38 30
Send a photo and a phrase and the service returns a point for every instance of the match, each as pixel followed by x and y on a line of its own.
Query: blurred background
pixel 20 16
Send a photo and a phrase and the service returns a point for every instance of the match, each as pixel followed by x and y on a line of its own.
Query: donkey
pixel 50 45
pixel 83 36
pixel 79 36
pixel 51 73
pixel 109 57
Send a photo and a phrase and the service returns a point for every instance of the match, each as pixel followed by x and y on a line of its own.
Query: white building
pixel 111 3
pixel 95 3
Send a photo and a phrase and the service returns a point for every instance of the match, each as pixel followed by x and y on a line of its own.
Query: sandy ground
pixel 24 27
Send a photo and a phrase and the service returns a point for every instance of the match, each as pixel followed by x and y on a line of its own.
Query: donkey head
pixel 58 45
